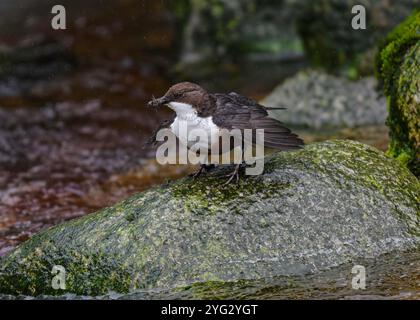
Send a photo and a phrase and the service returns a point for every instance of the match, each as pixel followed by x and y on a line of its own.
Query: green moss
pixel 392 50
pixel 398 68
pixel 210 193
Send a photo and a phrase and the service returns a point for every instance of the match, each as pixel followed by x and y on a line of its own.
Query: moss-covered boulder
pixel 398 66
pixel 313 209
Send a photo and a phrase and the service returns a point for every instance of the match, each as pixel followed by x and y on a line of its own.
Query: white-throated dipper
pixel 200 109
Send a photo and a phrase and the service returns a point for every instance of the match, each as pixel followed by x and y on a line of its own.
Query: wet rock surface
pixel 393 276
pixel 320 101
pixel 323 206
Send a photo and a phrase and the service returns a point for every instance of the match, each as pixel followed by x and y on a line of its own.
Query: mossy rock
pixel 320 207
pixel 398 66
pixel 320 101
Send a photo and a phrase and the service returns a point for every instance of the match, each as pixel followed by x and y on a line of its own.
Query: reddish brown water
pixel 72 115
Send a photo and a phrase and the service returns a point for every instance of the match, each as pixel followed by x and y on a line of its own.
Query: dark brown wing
pixel 238 112
pixel 239 99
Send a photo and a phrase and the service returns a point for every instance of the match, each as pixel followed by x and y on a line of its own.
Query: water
pixel 72 114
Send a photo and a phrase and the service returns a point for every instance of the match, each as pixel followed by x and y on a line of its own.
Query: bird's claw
pixel 233 175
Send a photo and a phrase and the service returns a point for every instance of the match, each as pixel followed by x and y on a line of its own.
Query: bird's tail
pixel 275 108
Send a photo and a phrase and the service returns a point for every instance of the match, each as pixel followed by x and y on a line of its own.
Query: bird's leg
pixel 203 168
pixel 235 174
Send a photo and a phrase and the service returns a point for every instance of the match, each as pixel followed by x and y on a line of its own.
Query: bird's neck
pixel 184 111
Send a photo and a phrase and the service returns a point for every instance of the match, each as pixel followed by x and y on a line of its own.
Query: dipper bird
pixel 207 111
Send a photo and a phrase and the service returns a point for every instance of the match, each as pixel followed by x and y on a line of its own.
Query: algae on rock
pixel 327 204
pixel 398 66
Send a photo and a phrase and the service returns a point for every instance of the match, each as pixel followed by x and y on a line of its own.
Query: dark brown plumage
pixel 206 111
pixel 231 111
pixel 234 111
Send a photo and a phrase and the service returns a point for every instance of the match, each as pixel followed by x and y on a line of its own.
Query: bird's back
pixel 234 111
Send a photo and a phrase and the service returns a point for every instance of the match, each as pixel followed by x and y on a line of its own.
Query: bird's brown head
pixel 186 93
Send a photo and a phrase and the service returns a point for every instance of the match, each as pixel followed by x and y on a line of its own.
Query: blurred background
pixel 72 102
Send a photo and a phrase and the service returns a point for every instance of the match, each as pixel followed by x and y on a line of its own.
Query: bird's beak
pixel 158 102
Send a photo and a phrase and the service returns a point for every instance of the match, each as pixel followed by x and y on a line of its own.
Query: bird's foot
pixel 234 174
pixel 203 168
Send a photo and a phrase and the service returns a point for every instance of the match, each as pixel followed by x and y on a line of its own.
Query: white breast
pixel 188 120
